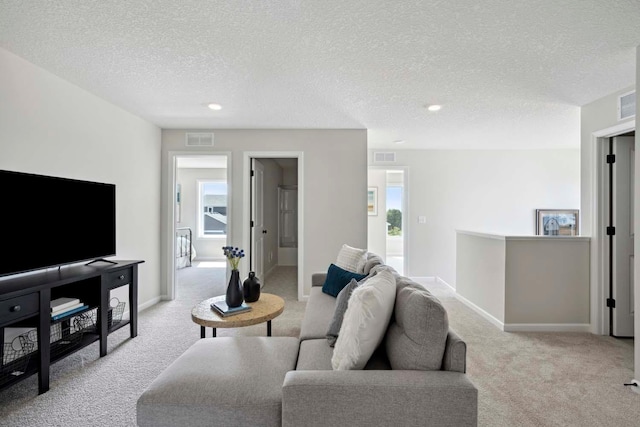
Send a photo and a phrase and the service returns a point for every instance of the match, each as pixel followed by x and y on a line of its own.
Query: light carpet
pixel 544 379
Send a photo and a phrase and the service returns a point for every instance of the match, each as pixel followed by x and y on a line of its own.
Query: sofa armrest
pixel 368 398
pixel 317 279
pixel 455 354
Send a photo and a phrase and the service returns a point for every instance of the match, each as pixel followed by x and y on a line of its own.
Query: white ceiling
pixel 509 74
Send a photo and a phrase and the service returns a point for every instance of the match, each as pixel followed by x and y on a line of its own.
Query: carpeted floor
pixel 524 379
pixel 544 379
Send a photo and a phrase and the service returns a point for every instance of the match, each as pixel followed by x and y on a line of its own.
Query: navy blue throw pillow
pixel 337 278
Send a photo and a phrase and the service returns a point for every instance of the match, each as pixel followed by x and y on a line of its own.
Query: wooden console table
pixel 25 303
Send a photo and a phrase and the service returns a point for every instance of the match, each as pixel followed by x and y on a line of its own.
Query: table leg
pixel 202 331
pixel 268 328
pixel 213 333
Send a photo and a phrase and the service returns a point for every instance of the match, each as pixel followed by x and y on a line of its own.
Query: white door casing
pixel 246 215
pixel 169 283
pixel 257 218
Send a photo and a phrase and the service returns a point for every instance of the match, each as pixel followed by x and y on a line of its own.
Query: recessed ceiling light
pixel 434 107
pixel 399 141
pixel 215 106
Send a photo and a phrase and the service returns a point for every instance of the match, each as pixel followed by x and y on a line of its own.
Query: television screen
pixel 50 221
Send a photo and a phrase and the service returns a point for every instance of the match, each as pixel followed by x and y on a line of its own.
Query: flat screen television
pixel 50 221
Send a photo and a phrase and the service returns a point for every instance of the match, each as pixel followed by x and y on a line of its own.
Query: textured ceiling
pixel 509 74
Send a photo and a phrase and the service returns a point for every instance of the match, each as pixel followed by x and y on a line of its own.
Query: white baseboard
pixel 516 327
pixel 430 279
pixel 480 311
pixel 547 327
pixel 433 279
pixel 442 282
pixel 151 302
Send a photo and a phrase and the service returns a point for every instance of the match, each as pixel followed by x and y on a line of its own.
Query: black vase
pixel 251 288
pixel 235 295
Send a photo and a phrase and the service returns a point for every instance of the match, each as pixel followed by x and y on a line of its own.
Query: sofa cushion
pixel 223 381
pixel 314 355
pixel 351 259
pixel 372 261
pixel 342 301
pixel 365 322
pixel 384 267
pixel 417 334
pixel 317 315
pixel 338 278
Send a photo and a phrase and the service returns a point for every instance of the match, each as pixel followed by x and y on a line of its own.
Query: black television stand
pixel 25 302
pixel 101 260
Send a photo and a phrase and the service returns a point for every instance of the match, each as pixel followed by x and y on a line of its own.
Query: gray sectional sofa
pixel 273 381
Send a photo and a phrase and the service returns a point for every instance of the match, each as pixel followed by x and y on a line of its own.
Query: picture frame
pixel 372 201
pixel 557 222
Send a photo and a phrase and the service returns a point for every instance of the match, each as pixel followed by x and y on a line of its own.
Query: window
pixel 394 211
pixel 212 209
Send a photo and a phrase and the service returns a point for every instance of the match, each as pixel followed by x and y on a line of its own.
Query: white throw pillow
pixel 365 322
pixel 352 259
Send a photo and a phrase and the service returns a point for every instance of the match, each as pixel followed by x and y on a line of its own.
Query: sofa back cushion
pixel 417 333
pixel 342 301
pixel 371 261
pixel 351 259
pixel 365 322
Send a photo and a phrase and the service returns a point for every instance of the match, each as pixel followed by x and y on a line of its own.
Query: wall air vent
pixel 627 105
pixel 199 139
pixel 384 157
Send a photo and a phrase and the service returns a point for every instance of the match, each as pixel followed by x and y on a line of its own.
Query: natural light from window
pixel 394 211
pixel 212 218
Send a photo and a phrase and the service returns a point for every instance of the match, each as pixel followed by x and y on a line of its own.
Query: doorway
pixel 618 152
pixel 200 224
pixel 387 233
pixel 275 201
pixel 601 322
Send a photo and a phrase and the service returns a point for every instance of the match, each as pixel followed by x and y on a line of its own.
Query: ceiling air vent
pixel 384 157
pixel 199 139
pixel 627 105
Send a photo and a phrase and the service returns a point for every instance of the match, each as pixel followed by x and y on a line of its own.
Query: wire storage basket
pixel 114 315
pixel 65 335
pixel 15 357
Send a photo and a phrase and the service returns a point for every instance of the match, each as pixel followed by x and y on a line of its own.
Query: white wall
pixel 637 221
pixel 335 184
pixel 377 224
pixel 492 191
pixel 480 271
pixel 547 281
pixel 272 179
pixel 529 283
pixel 49 126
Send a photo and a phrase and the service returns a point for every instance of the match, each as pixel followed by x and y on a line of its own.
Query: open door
pixel 258 231
pixel 621 161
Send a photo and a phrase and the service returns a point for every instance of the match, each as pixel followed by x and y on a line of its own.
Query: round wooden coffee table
pixel 266 308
